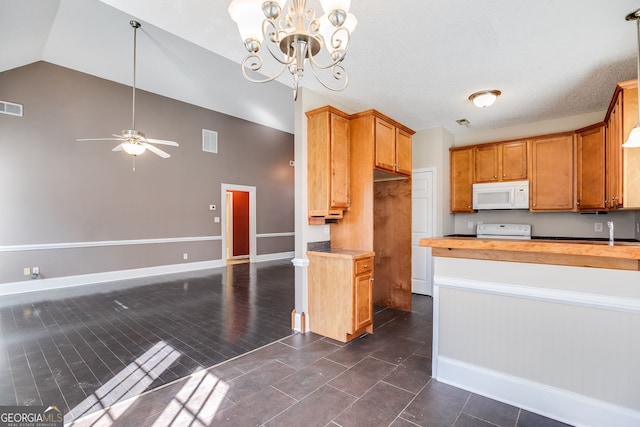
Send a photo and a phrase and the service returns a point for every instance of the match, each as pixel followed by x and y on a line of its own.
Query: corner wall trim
pixel 73 245
pixel 109 276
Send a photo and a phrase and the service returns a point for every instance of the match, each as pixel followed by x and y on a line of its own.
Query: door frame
pixel 252 218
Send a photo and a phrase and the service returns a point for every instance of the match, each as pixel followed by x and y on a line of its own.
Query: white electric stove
pixel 504 231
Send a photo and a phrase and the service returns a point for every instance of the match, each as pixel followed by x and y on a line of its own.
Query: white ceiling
pixel 416 61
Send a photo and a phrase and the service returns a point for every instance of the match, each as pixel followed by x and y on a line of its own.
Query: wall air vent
pixel 10 108
pixel 209 141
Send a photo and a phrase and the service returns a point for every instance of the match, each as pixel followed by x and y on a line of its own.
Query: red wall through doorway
pixel 240 223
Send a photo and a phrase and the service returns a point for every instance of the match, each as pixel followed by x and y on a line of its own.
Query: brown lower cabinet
pixel 341 293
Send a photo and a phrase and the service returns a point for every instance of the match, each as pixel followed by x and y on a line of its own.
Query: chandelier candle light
pixel 295 38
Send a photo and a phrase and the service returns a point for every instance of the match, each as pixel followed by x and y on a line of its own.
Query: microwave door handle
pixel 512 197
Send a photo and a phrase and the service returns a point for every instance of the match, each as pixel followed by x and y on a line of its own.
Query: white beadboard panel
pixel 540 331
pixel 571 347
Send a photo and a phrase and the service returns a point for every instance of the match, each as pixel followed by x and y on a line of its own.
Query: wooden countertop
pixel 343 253
pixel 622 256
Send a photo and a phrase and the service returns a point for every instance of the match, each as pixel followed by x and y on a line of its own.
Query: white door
pixel 423 217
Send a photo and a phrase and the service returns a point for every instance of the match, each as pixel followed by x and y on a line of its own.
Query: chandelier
pixel 295 38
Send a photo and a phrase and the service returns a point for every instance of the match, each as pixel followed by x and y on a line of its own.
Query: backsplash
pixel 555 224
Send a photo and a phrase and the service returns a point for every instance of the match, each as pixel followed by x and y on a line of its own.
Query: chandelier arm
pixel 337 71
pixel 339 54
pixel 256 66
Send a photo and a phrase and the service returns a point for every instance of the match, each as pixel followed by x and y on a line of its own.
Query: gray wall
pixel 55 190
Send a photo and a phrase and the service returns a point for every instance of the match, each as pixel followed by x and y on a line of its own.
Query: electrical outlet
pixel 212 207
pixel 597 226
pixel 470 225
pixel 216 219
pixel 185 256
pixel 35 270
pixel 26 271
pixel 637 227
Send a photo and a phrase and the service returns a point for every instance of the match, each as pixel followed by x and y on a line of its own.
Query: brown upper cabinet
pixel 590 170
pixel 461 168
pixel 328 163
pixel 623 164
pixel 552 174
pixel 506 161
pixel 391 143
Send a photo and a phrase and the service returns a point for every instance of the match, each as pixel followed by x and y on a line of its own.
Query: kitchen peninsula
pixel 550 326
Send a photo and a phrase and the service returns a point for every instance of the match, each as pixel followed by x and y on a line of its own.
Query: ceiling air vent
pixel 10 108
pixel 209 141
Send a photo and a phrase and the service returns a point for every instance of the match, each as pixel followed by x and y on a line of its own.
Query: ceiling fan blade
pixel 117 148
pixel 100 139
pixel 156 150
pixel 162 142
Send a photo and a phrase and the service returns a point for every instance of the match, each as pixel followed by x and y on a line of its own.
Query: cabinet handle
pixel 495 177
pixel 366 266
pixel 578 203
pixel 534 205
pixel 468 206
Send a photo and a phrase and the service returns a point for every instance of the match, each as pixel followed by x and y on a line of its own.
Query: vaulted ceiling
pixel 417 61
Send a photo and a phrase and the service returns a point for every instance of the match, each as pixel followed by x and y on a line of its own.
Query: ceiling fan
pixel 134 142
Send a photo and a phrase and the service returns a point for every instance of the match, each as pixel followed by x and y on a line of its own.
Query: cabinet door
pixel 403 152
pixel 514 161
pixel 613 198
pixel 552 174
pixel 339 180
pixel 590 173
pixel 486 163
pixel 363 301
pixel 385 145
pixel 461 163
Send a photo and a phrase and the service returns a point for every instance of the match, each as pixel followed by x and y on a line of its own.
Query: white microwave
pixel 501 195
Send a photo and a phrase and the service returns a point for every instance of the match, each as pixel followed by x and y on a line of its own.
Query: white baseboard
pixel 108 276
pixel 552 402
pixel 275 256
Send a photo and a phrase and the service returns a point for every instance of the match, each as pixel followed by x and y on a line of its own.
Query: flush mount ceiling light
pixel 134 142
pixel 634 135
pixel 484 98
pixel 295 38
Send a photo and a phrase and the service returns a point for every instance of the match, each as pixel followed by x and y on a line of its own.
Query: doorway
pixel 238 223
pixel 237 227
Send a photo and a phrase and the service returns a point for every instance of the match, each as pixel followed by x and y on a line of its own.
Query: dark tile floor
pixel 89 347
pixel 149 353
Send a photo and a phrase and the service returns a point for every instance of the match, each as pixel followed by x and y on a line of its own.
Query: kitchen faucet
pixel 610 225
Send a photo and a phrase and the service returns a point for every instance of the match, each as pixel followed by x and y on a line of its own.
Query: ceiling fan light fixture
pixel 133 148
pixel 484 98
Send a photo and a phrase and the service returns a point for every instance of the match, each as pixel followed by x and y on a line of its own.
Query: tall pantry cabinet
pixel 379 218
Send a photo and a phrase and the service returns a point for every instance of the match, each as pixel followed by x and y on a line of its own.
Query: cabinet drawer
pixel 364 265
